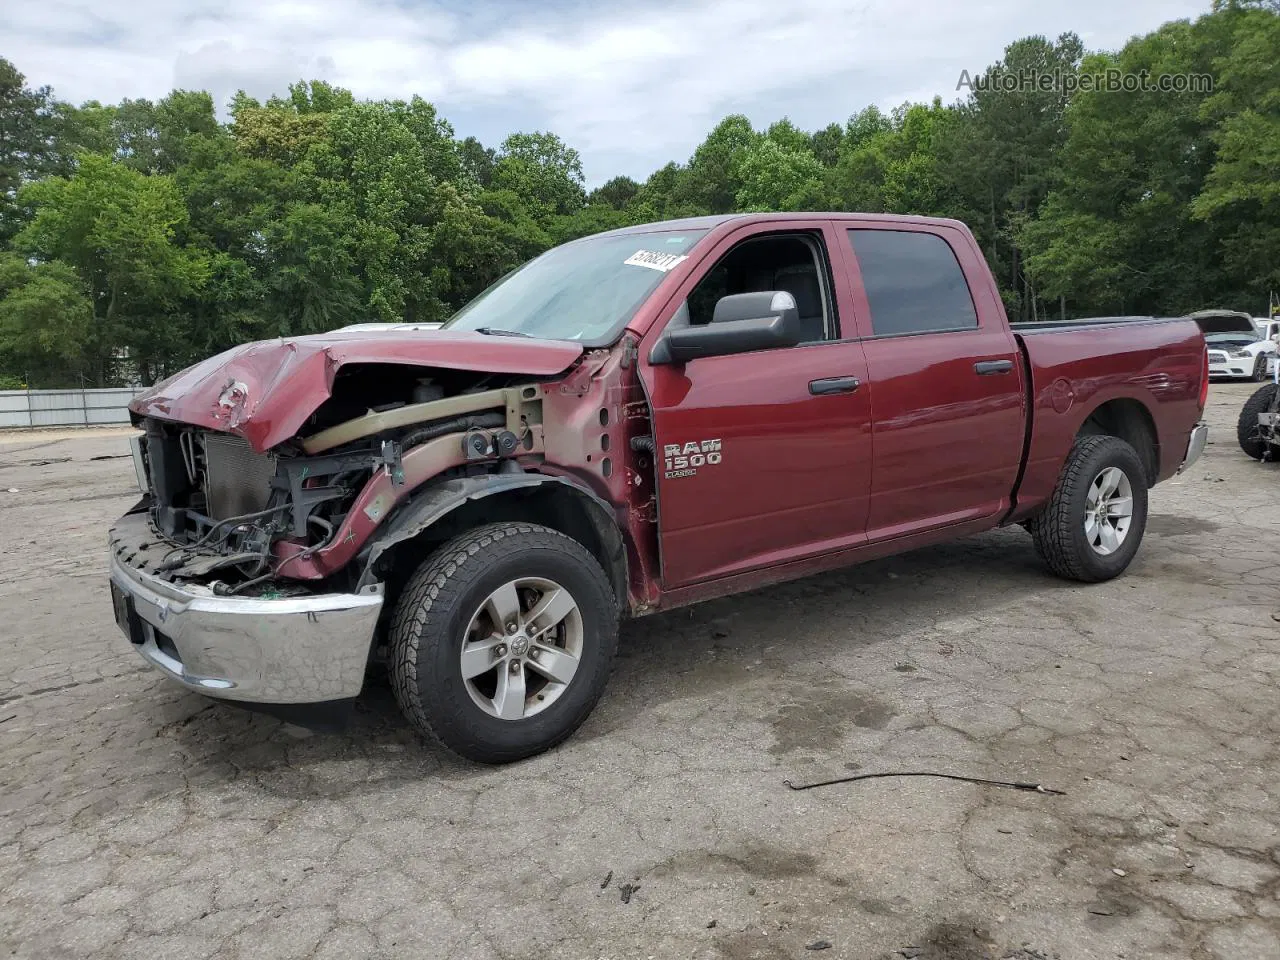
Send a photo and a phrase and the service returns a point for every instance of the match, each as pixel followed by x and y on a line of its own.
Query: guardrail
pixel 65 408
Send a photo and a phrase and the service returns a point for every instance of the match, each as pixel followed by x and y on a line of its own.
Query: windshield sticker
pixel 654 261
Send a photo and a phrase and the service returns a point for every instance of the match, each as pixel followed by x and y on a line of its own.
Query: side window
pixel 913 281
pixel 794 263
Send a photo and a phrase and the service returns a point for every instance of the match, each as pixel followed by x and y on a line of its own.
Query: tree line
pixel 138 237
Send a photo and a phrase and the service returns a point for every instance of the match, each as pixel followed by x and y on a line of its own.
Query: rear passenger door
pixel 946 376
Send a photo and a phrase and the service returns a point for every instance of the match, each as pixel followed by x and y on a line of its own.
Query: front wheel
pixel 1093 524
pixel 1260 368
pixel 502 641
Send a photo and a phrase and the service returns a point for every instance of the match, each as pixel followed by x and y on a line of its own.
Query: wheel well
pixel 555 505
pixel 1131 421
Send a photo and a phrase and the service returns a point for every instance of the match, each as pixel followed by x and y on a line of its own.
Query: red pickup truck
pixel 630 422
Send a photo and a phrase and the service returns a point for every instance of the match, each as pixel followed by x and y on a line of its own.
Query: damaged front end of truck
pixel 282 479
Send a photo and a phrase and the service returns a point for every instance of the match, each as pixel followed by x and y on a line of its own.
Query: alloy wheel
pixel 522 648
pixel 1108 510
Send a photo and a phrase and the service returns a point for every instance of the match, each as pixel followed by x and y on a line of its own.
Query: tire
pixel 1060 531
pixel 1260 368
pixel 452 597
pixel 1247 426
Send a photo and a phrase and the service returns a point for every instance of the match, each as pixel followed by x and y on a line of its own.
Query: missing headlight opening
pixel 233 518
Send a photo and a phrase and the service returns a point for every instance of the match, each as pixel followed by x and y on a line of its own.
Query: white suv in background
pixel 1238 345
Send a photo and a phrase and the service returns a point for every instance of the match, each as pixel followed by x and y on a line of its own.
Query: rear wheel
pixel 1093 524
pixel 502 641
pixel 1248 433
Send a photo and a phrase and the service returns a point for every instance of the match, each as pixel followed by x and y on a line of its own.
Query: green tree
pixel 855 181
pixel 864 126
pixel 313 279
pixel 473 246
pixel 713 181
pixel 826 144
pixel 668 193
pixel 1131 166
pixel 774 177
pixel 47 335
pixel 617 193
pixel 543 171
pixel 892 164
pixel 790 137
pixel 116 228
pixel 278 131
pixel 152 137
pixel 233 203
pixel 477 161
pixel 1004 155
pixel 28 129
pixel 1241 195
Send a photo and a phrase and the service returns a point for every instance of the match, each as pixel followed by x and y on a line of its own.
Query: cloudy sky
pixel 631 85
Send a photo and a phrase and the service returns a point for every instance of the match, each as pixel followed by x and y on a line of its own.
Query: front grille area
pixel 1217 356
pixel 237 479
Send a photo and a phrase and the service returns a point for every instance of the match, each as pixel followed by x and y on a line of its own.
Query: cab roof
pixel 712 221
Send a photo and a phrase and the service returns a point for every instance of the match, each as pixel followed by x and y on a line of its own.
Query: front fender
pixel 431 505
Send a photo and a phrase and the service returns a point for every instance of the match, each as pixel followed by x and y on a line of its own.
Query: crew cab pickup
pixel 630 422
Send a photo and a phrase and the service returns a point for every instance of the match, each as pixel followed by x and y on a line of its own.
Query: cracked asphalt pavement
pixel 142 821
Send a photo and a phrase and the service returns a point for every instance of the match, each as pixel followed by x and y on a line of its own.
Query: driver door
pixel 763 457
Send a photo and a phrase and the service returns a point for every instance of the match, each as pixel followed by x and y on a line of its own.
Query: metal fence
pixel 65 408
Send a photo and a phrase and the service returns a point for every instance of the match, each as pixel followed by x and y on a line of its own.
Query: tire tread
pixel 1053 529
pixel 1261 399
pixel 438 582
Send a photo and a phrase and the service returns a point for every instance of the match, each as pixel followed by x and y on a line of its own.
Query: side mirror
pixel 741 323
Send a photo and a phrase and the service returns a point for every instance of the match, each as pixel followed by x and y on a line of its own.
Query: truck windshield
pixel 586 290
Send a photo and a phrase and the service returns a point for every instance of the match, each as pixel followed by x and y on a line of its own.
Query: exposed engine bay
pixel 231 517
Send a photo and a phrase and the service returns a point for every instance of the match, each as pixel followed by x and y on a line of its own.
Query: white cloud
pixel 643 80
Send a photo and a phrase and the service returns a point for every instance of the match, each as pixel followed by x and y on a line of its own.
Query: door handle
pixel 834 385
pixel 987 368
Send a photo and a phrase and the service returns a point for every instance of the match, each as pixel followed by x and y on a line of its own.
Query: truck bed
pixel 1145 367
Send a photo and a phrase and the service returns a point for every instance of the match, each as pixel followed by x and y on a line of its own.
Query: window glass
pixel 913 281
pixel 586 290
pixel 768 263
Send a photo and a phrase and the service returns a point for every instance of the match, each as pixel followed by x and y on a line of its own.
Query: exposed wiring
pixel 241 519
pixel 232 591
pixel 315 547
pixel 1011 784
pixel 231 559
pixel 301 555
pixel 197 544
pixel 474 421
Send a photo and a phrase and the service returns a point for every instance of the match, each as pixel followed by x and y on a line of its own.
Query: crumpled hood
pixel 265 391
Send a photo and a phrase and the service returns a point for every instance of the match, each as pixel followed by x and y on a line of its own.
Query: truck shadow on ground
pixel 692 652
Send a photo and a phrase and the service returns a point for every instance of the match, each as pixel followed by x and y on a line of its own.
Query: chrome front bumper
pixel 296 650
pixel 1195 445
